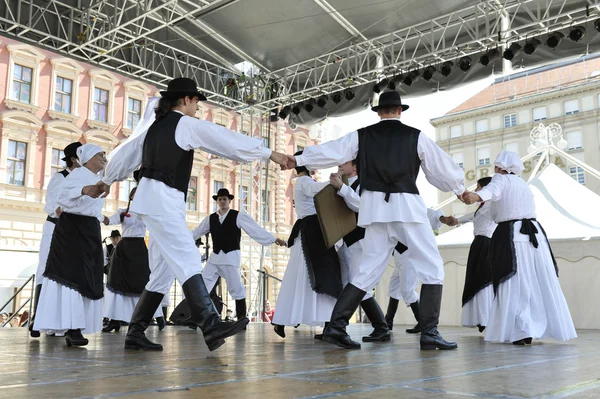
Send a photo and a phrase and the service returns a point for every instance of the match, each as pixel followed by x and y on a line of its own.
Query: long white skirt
pixel 120 307
pixel 477 310
pixel 297 303
pixel 61 308
pixel 47 230
pixel 531 303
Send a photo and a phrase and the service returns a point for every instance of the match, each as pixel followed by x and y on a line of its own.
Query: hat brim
pixel 231 197
pixel 404 107
pixel 179 94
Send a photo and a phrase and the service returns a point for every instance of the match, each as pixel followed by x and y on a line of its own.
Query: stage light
pixel 274 117
pixel 349 94
pixel 597 24
pixel 531 46
pixel 321 101
pixel 411 78
pixel 447 68
pixel 429 72
pixel 297 108
pixel 378 88
pixel 577 33
pixel 512 51
pixel 337 97
pixel 465 63
pixel 395 82
pixel 554 39
pixel 285 111
pixel 309 105
pixel 490 56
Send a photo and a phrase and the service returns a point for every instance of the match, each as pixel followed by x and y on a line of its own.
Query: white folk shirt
pixel 511 198
pixel 132 226
pixel 304 191
pixel 71 200
pixel 153 197
pixel 54 187
pixel 247 224
pixel 440 170
pixel 483 225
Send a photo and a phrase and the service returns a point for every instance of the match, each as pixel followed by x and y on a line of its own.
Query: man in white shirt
pixel 225 227
pixel 165 152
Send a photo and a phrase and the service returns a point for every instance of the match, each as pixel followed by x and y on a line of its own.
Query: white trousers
pixel 230 273
pixel 171 252
pixel 351 264
pixel 379 242
pixel 404 281
pixel 47 230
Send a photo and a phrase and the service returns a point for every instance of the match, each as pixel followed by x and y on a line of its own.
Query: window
pixel 100 105
pixel 574 141
pixel 192 194
pixel 455 131
pixel 571 107
pixel 244 198
pixel 483 156
pixel 267 206
pixel 64 90
pixel 22 80
pixel 458 159
pixel 15 163
pixel 57 162
pixel 514 147
pixel 125 189
pixel 481 126
pixel 576 173
pixel 217 185
pixel 510 120
pixel 134 112
pixel 266 142
pixel 539 114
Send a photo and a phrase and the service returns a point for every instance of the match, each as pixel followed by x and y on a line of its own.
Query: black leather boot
pixel 140 320
pixel 240 309
pixel 112 325
pixel 381 332
pixel 417 328
pixel 36 298
pixel 204 314
pixel 165 315
pixel 161 323
pixel 320 336
pixel 430 303
pixel 279 330
pixel 391 312
pixel 75 338
pixel 344 308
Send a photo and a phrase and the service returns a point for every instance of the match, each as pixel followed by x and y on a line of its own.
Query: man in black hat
pixel 166 154
pixel 53 210
pixel 225 227
pixel 389 155
pixel 115 238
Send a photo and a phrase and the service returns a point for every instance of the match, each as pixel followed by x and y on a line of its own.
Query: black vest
pixel 358 233
pixel 226 236
pixel 64 172
pixel 387 159
pixel 163 159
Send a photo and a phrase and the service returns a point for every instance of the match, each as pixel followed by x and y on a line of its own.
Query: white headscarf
pixel 509 161
pixel 87 152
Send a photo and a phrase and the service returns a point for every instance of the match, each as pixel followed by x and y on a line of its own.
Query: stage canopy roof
pixel 269 53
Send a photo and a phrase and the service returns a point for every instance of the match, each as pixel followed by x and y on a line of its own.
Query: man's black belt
pixel 52 220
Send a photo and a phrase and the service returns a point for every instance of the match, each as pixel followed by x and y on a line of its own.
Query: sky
pixel 422 110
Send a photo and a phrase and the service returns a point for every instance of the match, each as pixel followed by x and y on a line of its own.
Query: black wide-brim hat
pixel 71 150
pixel 223 192
pixel 115 233
pixel 182 87
pixel 390 99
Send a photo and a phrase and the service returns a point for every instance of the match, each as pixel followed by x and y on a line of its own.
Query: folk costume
pixel 110 249
pixel 165 152
pixel 388 156
pixel 54 187
pixel 72 293
pixel 529 302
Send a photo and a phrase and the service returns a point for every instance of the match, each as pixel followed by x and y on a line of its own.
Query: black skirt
pixel 129 271
pixel 479 268
pixel 76 259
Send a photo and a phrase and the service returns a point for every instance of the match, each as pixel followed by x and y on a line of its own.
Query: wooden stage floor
pixel 259 364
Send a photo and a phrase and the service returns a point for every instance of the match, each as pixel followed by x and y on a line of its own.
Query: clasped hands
pixel 469 197
pixel 98 190
pixel 285 161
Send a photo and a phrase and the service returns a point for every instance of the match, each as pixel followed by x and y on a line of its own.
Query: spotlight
pixel 577 33
pixel 490 56
pixel 274 117
pixel 597 24
pixel 285 111
pixel 349 94
pixel 554 39
pixel 378 88
pixel 296 108
pixel 511 52
pixel 410 78
pixel 531 46
pixel 447 68
pixel 465 63
pixel 337 97
pixel 321 101
pixel 309 105
pixel 395 82
pixel 429 72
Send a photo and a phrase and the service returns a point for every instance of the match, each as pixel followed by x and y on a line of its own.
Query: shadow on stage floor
pixel 259 364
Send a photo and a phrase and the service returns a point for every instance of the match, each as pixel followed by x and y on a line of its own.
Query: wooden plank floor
pixel 259 364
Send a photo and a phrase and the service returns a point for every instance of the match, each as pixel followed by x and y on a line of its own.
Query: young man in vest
pixel 225 227
pixel 388 156
pixel 166 153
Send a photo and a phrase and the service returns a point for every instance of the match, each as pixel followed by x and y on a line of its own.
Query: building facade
pixel 502 116
pixel 47 102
